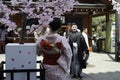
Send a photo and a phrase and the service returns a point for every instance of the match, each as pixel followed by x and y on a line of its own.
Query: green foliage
pixel 102 19
pixel 98 20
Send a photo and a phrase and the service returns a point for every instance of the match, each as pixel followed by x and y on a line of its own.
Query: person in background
pixel 3 34
pixel 56 52
pixel 78 46
pixel 85 35
pixel 11 36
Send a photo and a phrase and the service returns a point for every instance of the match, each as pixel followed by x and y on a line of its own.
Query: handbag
pixel 42 71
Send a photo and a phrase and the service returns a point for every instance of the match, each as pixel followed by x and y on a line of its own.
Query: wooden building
pixel 82 14
pixel 87 9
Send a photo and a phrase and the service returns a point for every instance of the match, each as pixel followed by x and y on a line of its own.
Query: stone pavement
pixel 101 67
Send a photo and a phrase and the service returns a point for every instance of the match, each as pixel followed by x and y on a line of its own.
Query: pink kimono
pixel 57 56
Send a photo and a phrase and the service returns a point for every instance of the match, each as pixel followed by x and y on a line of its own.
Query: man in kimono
pixel 78 46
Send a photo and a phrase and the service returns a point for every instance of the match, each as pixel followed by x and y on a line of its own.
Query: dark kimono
pixel 78 46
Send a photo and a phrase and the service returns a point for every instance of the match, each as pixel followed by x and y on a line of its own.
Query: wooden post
pixel 23 32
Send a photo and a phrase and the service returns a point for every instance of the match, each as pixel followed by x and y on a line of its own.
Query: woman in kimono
pixel 78 46
pixel 56 52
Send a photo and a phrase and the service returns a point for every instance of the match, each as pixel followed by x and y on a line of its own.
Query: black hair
pixel 55 24
pixel 83 28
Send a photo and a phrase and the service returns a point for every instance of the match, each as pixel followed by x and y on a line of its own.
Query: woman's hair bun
pixel 55 24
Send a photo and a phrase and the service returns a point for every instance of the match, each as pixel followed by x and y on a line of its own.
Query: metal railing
pixel 41 76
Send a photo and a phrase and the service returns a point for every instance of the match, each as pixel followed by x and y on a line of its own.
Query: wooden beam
pixel 87 1
pixel 103 13
pixel 86 5
pixel 105 2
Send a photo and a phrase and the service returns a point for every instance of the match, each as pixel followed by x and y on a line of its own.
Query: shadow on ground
pixel 102 76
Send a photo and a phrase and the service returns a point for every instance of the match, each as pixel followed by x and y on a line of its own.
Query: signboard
pixel 21 56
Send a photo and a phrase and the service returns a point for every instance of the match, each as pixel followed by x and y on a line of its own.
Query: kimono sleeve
pixel 66 54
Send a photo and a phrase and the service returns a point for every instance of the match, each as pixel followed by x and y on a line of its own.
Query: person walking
pixel 56 52
pixel 85 35
pixel 78 46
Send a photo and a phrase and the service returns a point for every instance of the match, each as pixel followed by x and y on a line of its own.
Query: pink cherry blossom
pixel 39 9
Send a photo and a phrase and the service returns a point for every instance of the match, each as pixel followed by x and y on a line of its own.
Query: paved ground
pixel 101 67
